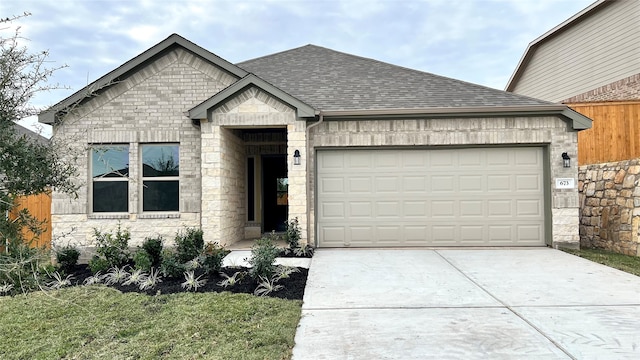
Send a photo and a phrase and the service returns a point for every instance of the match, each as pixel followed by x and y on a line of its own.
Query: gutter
pixel 578 121
pixel 308 151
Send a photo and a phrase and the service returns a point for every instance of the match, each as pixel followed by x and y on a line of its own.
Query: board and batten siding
pixel 615 135
pixel 601 48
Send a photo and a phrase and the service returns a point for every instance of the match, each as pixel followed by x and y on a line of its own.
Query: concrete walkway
pixel 466 304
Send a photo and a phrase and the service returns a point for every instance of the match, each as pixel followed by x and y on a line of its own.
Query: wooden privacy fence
pixel 615 134
pixel 39 206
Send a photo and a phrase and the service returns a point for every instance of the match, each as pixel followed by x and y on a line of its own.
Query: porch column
pixel 296 140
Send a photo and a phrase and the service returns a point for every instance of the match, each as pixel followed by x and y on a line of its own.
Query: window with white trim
pixel 110 178
pixel 160 177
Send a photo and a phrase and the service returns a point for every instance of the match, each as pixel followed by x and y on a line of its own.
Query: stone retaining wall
pixel 610 206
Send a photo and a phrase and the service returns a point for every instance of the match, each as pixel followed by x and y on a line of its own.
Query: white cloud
pixel 474 40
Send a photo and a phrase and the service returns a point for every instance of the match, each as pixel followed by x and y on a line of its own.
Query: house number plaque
pixel 565 183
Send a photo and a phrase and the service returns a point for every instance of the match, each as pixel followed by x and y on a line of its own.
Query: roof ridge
pixel 411 70
pixel 273 54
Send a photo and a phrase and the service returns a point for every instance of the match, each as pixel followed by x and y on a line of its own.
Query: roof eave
pixel 528 53
pixel 202 110
pixel 49 115
pixel 578 121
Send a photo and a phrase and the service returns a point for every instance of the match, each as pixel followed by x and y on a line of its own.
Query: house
pixel 591 62
pixel 363 153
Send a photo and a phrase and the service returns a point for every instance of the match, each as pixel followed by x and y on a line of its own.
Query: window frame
pixel 106 179
pixel 144 179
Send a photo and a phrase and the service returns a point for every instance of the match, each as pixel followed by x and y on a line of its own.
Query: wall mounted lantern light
pixel 566 160
pixel 296 157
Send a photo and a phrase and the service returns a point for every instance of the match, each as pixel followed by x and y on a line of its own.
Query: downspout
pixel 308 169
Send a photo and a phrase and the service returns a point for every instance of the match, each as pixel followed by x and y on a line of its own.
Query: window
pixel 110 178
pixel 160 177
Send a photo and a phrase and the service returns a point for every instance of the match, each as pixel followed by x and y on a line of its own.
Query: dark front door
pixel 275 185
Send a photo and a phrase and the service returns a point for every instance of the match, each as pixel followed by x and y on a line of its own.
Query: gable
pixel 253 100
pixel 166 87
pixel 133 67
pixel 597 46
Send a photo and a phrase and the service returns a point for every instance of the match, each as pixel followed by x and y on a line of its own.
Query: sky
pixel 479 41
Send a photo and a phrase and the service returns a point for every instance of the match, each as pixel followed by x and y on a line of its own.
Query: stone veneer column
pixel 296 140
pixel 211 182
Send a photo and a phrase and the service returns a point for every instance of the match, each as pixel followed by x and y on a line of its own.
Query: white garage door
pixel 448 197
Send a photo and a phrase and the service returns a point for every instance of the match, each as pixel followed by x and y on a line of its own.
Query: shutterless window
pixel 160 177
pixel 110 178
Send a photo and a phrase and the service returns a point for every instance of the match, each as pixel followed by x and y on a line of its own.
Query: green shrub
pixel 153 247
pixel 293 234
pixel 142 260
pixel 263 255
pixel 67 257
pixel 113 248
pixel 20 268
pixel 98 264
pixel 171 265
pixel 212 257
pixel 189 244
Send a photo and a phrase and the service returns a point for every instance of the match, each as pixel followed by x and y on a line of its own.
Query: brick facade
pixel 549 132
pixel 147 107
pixel 621 90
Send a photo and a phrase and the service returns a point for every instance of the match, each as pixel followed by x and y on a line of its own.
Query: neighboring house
pixel 591 62
pixel 362 152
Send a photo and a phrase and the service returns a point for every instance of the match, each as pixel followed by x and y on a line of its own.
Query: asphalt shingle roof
pixel 330 80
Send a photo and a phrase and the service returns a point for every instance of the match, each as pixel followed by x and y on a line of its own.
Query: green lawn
pixel 630 264
pixel 102 323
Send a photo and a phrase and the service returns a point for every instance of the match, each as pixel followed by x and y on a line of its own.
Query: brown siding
pixel 614 135
pixel 38 206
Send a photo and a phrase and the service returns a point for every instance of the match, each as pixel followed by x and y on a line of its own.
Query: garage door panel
pixel 361 235
pixel 360 184
pixel 333 185
pixel 442 208
pixel 528 182
pixel 387 184
pixel 414 184
pixel 330 210
pixel 388 209
pixel 525 208
pixel 471 208
pixel 360 209
pixel 450 197
pixel 442 183
pixel 415 209
pixel 498 183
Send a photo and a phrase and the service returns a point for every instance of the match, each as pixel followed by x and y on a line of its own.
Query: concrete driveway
pixel 466 304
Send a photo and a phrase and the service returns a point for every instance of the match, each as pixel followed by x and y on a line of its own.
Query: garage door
pixel 446 197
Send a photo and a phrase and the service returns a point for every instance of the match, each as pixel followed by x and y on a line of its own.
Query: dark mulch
pixel 293 285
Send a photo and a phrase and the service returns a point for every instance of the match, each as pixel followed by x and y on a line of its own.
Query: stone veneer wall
pixel 223 196
pixel 610 206
pixel 147 107
pixel 545 131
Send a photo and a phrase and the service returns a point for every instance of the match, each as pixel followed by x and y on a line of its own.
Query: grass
pixel 627 263
pixel 101 323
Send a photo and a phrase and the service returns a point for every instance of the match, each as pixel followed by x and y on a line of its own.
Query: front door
pixel 275 185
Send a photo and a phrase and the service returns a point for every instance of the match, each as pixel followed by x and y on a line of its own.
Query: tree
pixel 26 167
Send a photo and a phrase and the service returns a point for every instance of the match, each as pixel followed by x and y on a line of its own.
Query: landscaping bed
pixel 292 286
